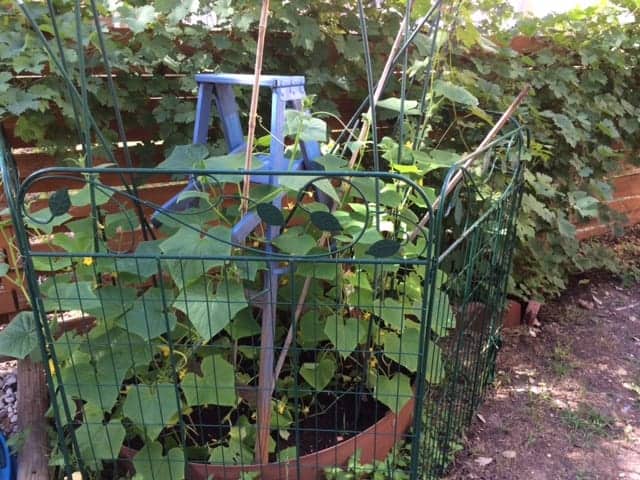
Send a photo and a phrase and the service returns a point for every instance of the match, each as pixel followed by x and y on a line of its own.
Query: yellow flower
pixel 88 261
pixel 164 350
pixel 366 316
pixel 282 407
pixel 182 373
pixel 373 362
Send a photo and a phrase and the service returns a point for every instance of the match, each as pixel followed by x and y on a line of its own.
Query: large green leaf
pixel 137 265
pixel 345 333
pixel 151 464
pixel 405 348
pixel 297 182
pixel 392 313
pixel 20 337
pixel 311 329
pixel 210 312
pixel 82 197
pixel 304 125
pixel 101 364
pixel 566 228
pixel 410 107
pixel 295 241
pixel 115 300
pixel 243 325
pixel 393 392
pixel 152 407
pixel 428 161
pixel 44 221
pixel 319 271
pixel 185 157
pixel 187 241
pixel 99 442
pixel 586 205
pixel 216 386
pixel 80 381
pixel 149 317
pixel 319 374
pixel 70 296
pixel 22 102
pixel 455 93
pixel 567 128
pixel 137 18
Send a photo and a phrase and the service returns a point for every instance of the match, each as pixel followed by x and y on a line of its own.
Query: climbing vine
pixel 582 113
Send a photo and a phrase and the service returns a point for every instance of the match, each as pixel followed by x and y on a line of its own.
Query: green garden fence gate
pixel 381 347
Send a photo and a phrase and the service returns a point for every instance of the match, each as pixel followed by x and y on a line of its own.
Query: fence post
pixel 33 458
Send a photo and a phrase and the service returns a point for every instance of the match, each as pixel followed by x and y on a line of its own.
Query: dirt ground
pixel 566 401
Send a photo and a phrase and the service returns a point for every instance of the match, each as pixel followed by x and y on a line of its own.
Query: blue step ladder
pixel 287 91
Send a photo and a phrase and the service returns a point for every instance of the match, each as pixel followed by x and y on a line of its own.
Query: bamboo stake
pixel 253 109
pixel 467 160
pixel 265 374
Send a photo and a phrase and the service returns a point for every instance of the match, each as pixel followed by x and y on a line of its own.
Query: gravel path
pixel 8 398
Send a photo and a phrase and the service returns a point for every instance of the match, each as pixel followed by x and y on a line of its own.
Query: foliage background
pixel 583 112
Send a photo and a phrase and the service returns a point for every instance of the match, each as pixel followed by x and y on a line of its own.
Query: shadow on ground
pixel 566 402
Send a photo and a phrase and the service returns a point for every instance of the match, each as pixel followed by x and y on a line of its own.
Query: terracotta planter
pixel 374 443
pixel 477 316
pixel 512 316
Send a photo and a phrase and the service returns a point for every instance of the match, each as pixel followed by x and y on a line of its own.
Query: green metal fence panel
pixel 381 347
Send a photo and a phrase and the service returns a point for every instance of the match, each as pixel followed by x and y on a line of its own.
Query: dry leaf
pixel 509 454
pixel 483 461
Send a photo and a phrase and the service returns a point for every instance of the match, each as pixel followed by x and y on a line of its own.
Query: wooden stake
pixel 253 109
pixel 265 374
pixel 33 458
pixel 467 160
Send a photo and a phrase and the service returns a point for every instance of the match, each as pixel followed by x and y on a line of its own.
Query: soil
pixel 340 420
pixel 331 421
pixel 566 400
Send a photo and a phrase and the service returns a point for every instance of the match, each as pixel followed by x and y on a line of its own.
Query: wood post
pixel 33 458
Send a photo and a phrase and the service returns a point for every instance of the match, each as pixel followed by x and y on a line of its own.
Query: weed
pixel 587 422
pixel 560 360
